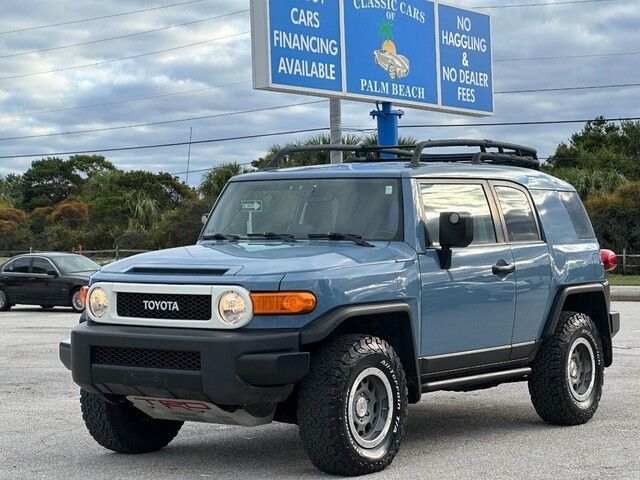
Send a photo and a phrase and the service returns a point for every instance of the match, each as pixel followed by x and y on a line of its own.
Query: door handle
pixel 503 268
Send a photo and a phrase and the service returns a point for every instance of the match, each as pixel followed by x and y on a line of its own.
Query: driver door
pixel 467 310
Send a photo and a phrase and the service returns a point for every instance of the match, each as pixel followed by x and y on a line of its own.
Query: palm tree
pixel 385 30
pixel 143 210
pixel 214 180
pixel 320 157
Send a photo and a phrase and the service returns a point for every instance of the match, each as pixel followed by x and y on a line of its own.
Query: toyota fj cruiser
pixel 332 296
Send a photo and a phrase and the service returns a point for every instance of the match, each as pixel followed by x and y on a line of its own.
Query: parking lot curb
pixel 625 294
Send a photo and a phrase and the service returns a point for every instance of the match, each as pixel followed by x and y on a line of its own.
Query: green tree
pixel 90 165
pixel 589 181
pixel 180 226
pixel 616 217
pixel 143 211
pixel 214 180
pixel 603 146
pixel 319 157
pixel 48 182
pixel 11 190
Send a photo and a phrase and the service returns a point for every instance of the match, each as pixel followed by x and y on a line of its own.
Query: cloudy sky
pixel 194 60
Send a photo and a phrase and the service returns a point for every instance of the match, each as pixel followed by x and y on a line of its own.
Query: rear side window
pixel 41 266
pixel 462 198
pixel 518 215
pixel 20 265
pixel 577 214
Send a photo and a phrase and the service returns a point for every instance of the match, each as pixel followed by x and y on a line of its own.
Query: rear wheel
pixel 76 301
pixel 352 406
pixel 568 373
pixel 123 428
pixel 4 301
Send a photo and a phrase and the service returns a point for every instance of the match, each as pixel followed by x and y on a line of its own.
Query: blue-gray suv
pixel 332 296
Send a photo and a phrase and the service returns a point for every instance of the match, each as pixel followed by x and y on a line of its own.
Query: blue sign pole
pixel 387 119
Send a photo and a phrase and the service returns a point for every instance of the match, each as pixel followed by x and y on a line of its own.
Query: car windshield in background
pixel 369 208
pixel 75 264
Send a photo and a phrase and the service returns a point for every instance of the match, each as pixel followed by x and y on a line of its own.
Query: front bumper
pixel 235 368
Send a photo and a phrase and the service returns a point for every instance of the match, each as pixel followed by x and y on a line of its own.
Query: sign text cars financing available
pixel 417 53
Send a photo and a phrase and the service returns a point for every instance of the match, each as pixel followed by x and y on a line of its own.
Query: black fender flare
pixel 608 324
pixel 325 325
pixel 566 292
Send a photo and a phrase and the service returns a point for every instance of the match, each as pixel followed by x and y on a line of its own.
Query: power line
pixel 566 89
pixel 114 60
pixel 81 20
pixel 132 100
pixel 508 124
pixel 163 122
pixel 565 2
pixel 165 145
pixel 128 35
pixel 219 167
pixel 292 132
pixel 219 115
pixel 565 57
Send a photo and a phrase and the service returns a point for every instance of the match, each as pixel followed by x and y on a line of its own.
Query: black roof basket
pixel 506 154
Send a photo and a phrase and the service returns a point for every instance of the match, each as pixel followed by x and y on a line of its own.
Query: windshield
pixel 75 264
pixel 366 207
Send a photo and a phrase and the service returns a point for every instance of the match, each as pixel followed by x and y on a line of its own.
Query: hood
pixel 259 258
pixel 81 275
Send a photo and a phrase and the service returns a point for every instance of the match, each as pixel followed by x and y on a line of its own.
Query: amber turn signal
pixel 283 303
pixel 83 295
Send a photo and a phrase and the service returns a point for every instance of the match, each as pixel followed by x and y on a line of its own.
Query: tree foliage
pixel 320 157
pixel 602 146
pixel 616 217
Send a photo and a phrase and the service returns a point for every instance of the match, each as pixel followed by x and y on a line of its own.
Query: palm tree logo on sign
pixel 387 57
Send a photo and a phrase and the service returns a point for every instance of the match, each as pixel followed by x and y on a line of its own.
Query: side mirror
pixel 204 218
pixel 456 230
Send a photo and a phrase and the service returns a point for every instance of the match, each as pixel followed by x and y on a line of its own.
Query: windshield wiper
pixel 342 236
pixel 221 236
pixel 280 236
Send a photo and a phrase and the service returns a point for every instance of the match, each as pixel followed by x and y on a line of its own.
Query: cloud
pixel 543 31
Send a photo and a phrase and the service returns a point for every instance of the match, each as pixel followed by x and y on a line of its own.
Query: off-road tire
pixel 323 404
pixel 123 428
pixel 5 304
pixel 549 385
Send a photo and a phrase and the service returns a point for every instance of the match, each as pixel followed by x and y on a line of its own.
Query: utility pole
pixel 189 153
pixel 335 121
pixel 387 119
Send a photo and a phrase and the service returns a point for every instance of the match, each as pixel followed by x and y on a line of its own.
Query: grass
pixel 624 280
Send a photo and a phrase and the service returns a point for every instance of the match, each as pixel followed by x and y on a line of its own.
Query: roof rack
pixel 506 154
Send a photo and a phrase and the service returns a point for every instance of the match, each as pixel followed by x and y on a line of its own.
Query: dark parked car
pixel 45 279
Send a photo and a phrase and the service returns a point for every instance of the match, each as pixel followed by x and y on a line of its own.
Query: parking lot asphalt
pixel 492 433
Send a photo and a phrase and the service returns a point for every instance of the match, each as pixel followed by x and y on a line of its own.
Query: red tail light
pixel 609 260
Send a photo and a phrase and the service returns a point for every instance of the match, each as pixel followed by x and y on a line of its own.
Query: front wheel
pixel 123 428
pixel 4 301
pixel 352 406
pixel 568 373
pixel 76 301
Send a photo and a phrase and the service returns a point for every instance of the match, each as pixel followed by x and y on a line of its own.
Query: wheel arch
pixel 390 321
pixel 590 299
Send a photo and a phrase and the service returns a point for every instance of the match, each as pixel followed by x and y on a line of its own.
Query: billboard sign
pixel 417 53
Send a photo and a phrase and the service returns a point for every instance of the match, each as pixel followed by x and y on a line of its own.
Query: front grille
pixel 140 357
pixel 163 306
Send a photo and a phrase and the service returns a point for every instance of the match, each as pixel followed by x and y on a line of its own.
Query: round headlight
pixel 98 301
pixel 232 307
